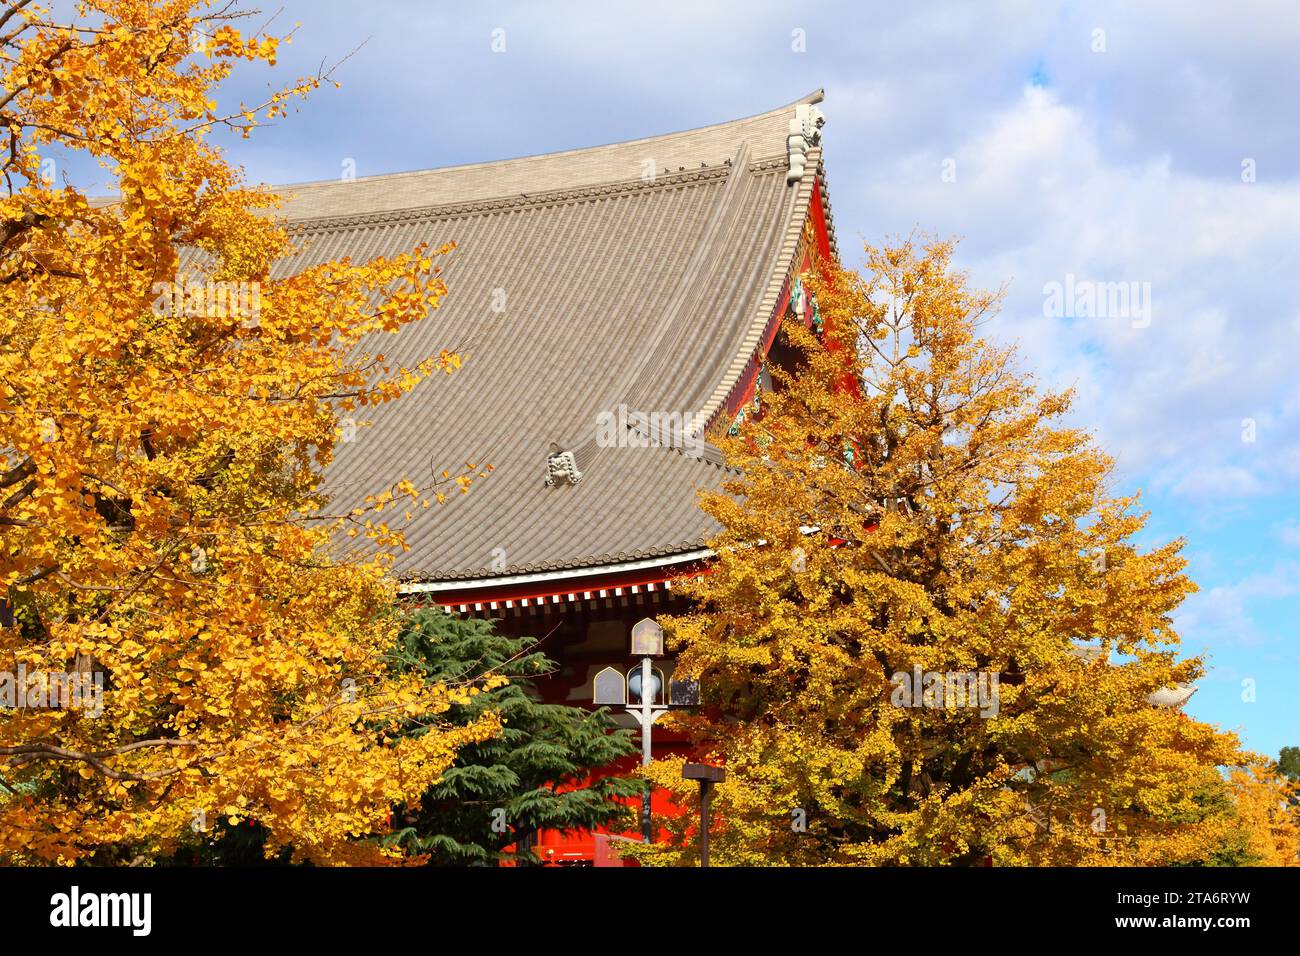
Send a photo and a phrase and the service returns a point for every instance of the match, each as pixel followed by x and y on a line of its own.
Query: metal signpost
pixel 707 776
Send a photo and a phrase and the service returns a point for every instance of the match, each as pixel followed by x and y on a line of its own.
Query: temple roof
pixel 640 274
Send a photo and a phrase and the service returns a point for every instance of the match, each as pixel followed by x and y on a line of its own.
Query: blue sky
pixel 1111 156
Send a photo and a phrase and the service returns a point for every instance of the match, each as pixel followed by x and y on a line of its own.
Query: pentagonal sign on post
pixel 647 638
pixel 609 687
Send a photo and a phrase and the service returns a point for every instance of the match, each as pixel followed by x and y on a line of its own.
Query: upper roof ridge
pixel 646 159
pixel 816 96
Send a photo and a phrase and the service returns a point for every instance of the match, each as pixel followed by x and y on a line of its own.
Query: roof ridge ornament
pixel 805 133
pixel 561 467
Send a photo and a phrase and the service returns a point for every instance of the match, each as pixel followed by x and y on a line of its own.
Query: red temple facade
pixel 596 295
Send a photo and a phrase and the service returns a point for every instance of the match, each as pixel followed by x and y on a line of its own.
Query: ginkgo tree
pixel 929 636
pixel 167 405
pixel 1265 818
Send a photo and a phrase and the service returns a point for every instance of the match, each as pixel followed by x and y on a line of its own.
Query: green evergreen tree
pixel 1288 762
pixel 543 748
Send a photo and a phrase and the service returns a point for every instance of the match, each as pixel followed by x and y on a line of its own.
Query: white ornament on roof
pixel 805 133
pixel 561 467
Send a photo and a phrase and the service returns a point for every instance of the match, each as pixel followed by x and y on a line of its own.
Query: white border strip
pixel 434 587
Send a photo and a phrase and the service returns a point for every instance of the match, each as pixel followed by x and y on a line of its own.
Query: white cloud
pixel 1225 615
pixel 1039 200
pixel 1216 481
pixel 1289 533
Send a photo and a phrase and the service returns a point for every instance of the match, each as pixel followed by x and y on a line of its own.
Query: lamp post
pixel 707 776
pixel 647 641
pixel 645 715
pixel 644 682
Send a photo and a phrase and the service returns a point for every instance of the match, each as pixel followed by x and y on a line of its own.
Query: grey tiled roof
pixel 619 288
